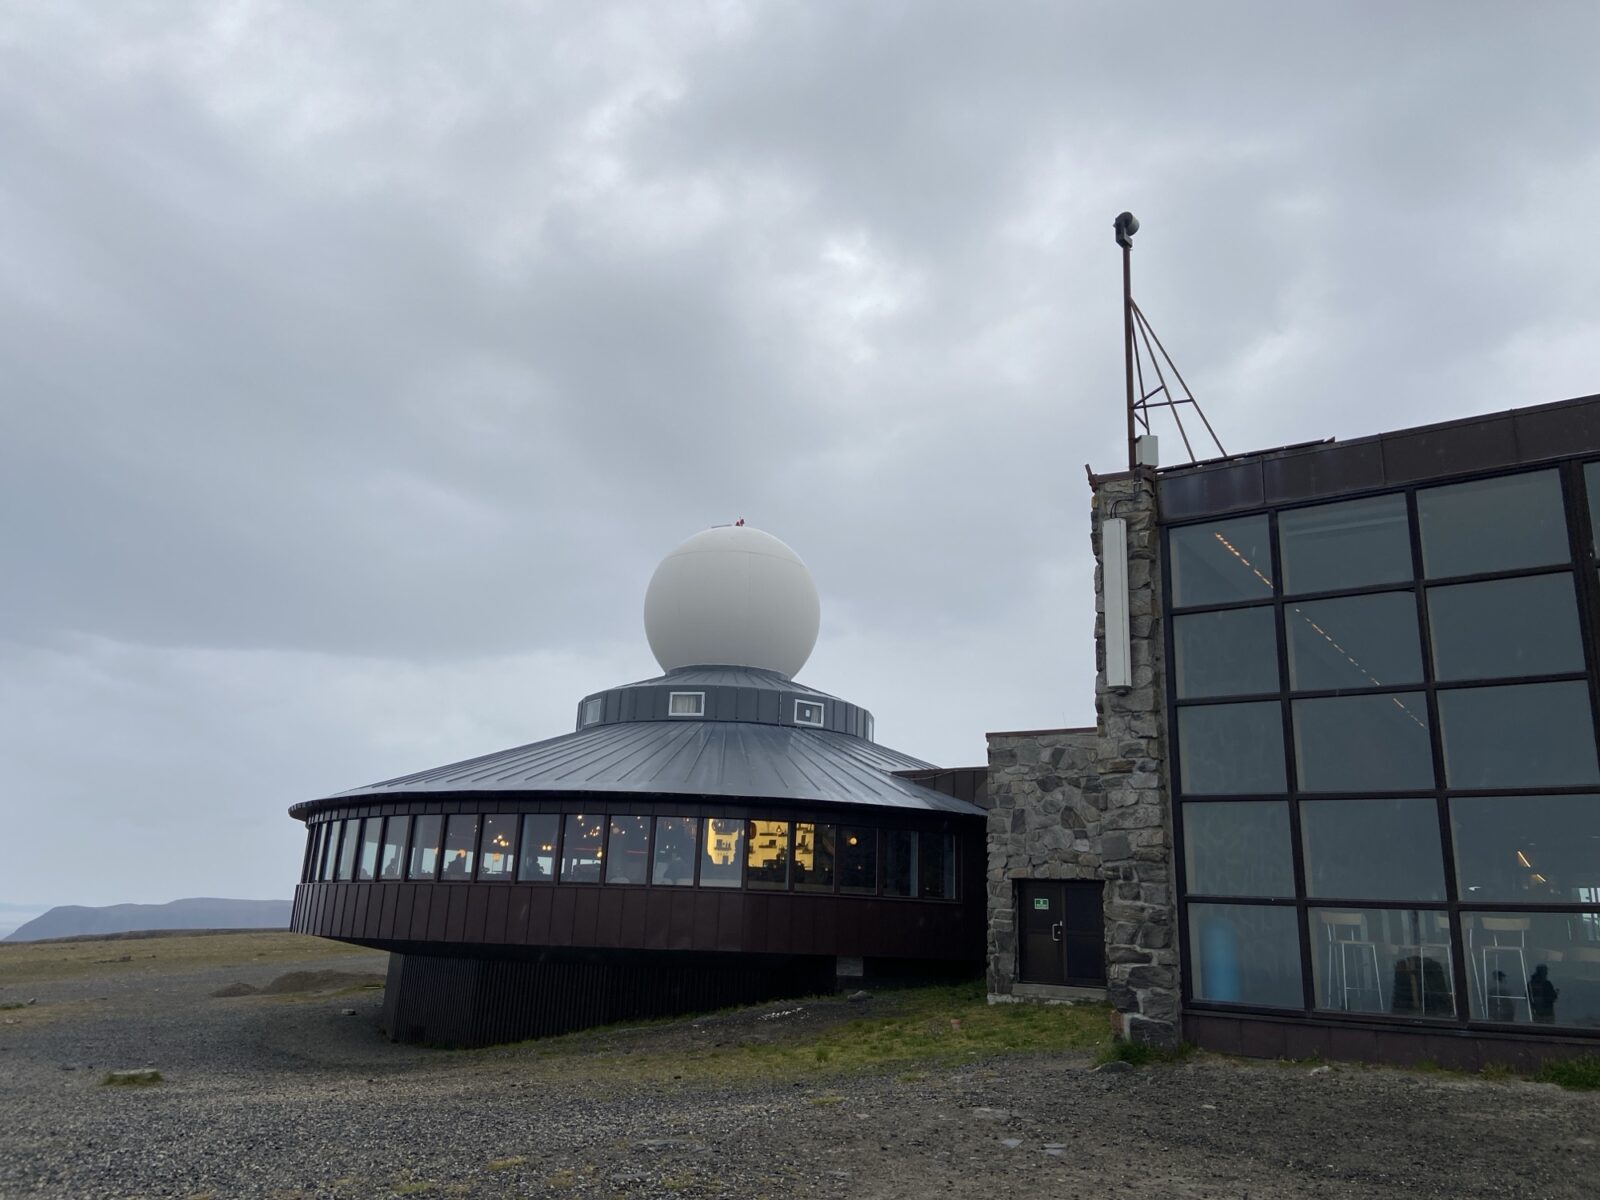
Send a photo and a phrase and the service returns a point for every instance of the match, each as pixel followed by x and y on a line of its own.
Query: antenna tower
pixel 1142 349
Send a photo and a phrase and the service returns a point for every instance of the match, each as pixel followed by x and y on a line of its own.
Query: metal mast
pixel 1140 344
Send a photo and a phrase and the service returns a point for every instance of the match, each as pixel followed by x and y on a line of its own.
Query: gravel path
pixel 285 1096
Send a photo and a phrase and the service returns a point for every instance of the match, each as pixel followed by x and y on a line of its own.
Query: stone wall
pixel 1094 804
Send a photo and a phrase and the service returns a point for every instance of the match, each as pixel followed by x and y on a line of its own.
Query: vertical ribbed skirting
pixel 479 1002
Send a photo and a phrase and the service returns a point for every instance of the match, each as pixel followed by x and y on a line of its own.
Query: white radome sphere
pixel 732 596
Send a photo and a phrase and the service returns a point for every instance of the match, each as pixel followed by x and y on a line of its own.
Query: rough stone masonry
pixel 1094 803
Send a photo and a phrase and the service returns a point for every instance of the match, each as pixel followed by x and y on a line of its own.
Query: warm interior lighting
pixel 1523 859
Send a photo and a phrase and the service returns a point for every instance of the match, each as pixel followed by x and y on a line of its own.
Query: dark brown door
pixel 1043 907
pixel 1063 932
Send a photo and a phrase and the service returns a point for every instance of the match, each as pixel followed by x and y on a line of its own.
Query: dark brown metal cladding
pixel 1330 469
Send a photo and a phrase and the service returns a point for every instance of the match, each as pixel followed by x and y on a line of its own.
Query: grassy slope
pixel 40 962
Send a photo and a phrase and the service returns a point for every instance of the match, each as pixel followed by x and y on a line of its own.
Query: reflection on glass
pixel 1372 849
pixel 1526 626
pixel 1238 848
pixel 936 866
pixel 347 850
pixel 813 857
pixel 628 850
pixel 1363 743
pixel 425 832
pixel 1245 954
pixel 858 860
pixel 1524 849
pixel 537 862
pixel 394 847
pixel 767 854
pixel 1231 749
pixel 722 856
pixel 1220 562
pixel 899 862
pixel 1383 961
pixel 582 849
pixel 1228 653
pixel 676 838
pixel 498 856
pixel 460 841
pixel 1353 642
pixel 1493 525
pixel 1534 968
pixel 1355 543
pixel 371 839
pixel 1533 735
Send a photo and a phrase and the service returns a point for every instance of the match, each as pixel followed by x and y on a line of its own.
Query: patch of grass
pixel 680 1182
pixel 1581 1073
pixel 1142 1054
pixel 126 1079
pixel 505 1164
pixel 13 1004
pixel 37 962
pixel 1498 1071
pixel 564 1179
pixel 909 1027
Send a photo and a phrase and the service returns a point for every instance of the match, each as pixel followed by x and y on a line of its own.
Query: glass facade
pixel 1388 794
pixel 623 849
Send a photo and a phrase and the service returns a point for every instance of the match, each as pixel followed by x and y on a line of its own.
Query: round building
pixel 718 834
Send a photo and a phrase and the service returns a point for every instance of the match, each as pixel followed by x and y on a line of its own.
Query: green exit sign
pixel 1042 903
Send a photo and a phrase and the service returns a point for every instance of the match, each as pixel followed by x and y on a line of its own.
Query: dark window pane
pixel 460 842
pixel 1534 735
pixel 322 863
pixel 371 839
pixel 1245 954
pixel 813 858
pixel 1502 627
pixel 936 866
pixel 1372 849
pixel 1382 961
pixel 899 862
pixel 1353 544
pixel 722 861
pixel 1591 485
pixel 1524 849
pixel 498 853
pixel 1534 968
pixel 394 847
pixel 1353 642
pixel 628 850
pixel 1363 743
pixel 347 850
pixel 1231 749
pixel 1229 653
pixel 581 848
pixel 1215 564
pixel 1238 849
pixel 858 860
pixel 313 850
pixel 537 863
pixel 1493 525
pixel 767 854
pixel 676 839
pixel 424 847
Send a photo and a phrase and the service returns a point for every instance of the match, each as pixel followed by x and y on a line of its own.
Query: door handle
pixel 1055 931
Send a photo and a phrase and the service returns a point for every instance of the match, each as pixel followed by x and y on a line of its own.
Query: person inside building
pixel 1542 995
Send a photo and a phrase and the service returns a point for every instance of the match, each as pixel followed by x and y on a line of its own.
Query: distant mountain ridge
pixel 195 912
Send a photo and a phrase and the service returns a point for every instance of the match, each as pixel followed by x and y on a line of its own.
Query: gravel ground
pixel 285 1096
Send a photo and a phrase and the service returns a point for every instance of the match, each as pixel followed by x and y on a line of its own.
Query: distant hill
pixel 201 912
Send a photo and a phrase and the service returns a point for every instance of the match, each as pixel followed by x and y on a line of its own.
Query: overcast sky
pixel 360 361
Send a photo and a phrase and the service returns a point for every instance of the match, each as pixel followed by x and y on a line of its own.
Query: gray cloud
pixel 361 362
